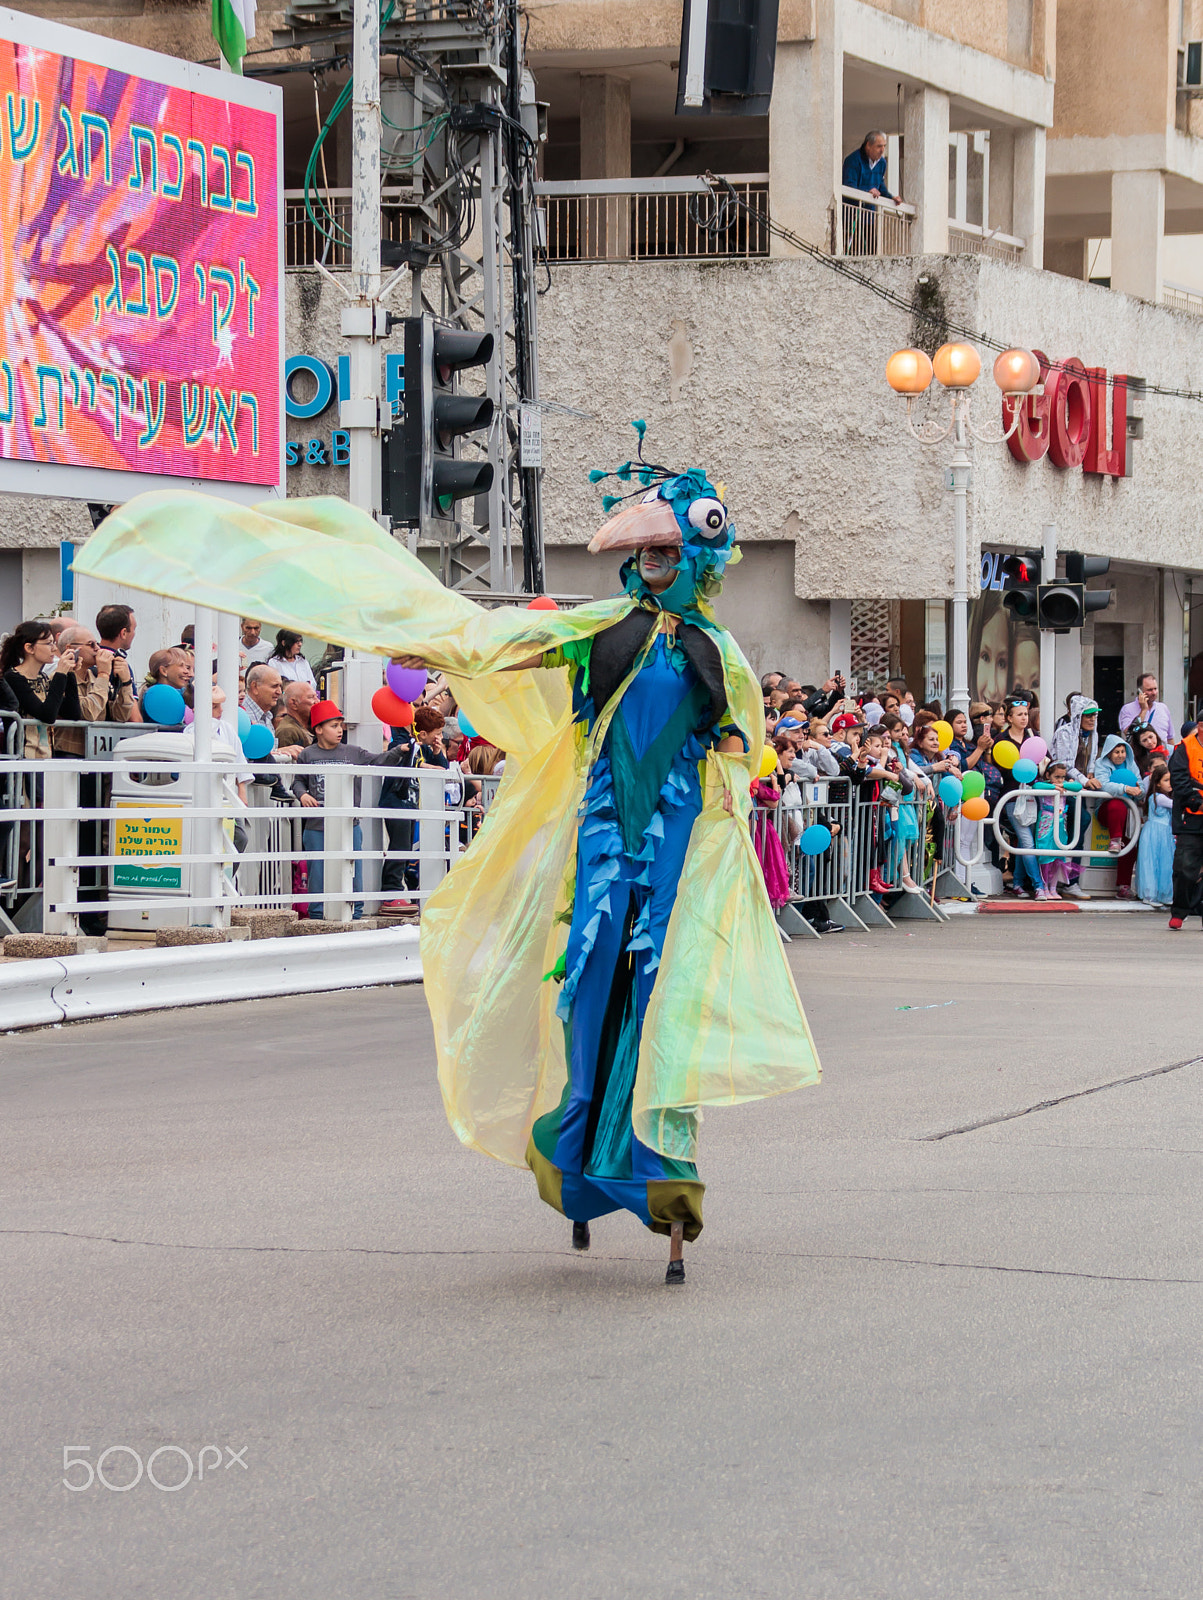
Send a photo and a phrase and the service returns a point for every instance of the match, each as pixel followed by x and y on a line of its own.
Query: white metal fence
pixel 871 227
pixel 152 840
pixel 1181 298
pixel 967 239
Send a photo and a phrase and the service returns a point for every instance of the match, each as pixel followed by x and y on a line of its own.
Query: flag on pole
pixel 233 25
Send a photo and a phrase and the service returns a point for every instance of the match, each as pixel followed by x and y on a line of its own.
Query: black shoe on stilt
pixel 675 1273
pixel 580 1236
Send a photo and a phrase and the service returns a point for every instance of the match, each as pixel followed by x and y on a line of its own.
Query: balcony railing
pixel 330 243
pixel 1179 298
pixel 653 219
pixel 870 227
pixel 966 239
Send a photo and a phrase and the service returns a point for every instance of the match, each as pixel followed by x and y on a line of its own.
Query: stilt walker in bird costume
pixel 603 962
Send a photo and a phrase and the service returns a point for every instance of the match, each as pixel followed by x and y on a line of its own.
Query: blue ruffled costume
pixel 585 1153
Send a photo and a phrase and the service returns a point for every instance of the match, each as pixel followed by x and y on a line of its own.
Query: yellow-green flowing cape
pixel 724 1023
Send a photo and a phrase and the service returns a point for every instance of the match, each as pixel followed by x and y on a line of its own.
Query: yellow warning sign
pixel 142 833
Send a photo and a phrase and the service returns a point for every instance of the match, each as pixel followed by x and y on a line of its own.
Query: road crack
pixel 774 1255
pixel 1059 1100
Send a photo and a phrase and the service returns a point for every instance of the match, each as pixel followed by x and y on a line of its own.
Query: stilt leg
pixel 580 1236
pixel 676 1263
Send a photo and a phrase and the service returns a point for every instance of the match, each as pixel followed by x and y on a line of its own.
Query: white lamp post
pixel 956 368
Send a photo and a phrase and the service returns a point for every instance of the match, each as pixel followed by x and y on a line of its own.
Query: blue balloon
pixel 1024 770
pixel 244 723
pixel 465 727
pixel 162 703
pixel 258 742
pixel 815 840
pixel 950 791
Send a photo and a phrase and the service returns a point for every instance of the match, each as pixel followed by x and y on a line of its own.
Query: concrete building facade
pixel 1011 146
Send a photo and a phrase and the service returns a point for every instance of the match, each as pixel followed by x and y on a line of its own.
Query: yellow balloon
pixel 1005 754
pixel 768 762
pixel 943 733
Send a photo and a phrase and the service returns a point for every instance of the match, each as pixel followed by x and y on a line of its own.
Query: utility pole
pixel 363 316
pixel 959 474
pixel 464 132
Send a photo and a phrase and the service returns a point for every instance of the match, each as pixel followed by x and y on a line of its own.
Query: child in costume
pixel 1155 852
pixel 1052 826
pixel 1116 770
pixel 603 961
pixel 766 798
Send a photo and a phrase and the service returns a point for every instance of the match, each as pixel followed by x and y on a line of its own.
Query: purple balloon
pixel 1033 749
pixel 407 683
pixel 188 714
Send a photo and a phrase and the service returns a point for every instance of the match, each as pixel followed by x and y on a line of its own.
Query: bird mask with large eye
pixel 708 517
pixel 685 510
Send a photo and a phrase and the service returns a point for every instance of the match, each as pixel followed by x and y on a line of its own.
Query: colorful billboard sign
pixel 140 281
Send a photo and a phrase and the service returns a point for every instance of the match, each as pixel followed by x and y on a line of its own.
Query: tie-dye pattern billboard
pixel 139 275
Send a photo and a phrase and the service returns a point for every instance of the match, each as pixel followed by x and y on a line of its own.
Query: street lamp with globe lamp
pixel 955 368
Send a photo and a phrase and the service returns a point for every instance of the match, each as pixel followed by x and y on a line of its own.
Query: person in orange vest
pixel 1186 784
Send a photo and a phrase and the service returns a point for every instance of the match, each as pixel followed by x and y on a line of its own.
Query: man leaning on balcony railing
pixel 865 169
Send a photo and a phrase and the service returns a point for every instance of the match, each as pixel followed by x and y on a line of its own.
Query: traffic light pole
pixel 959 474
pixel 359 413
pixel 1048 640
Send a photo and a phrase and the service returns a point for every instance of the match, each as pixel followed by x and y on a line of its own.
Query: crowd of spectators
pixel 884 749
pixel 57 676
pixel 879 748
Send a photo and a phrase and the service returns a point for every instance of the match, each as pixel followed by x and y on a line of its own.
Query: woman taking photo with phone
pixel 41 700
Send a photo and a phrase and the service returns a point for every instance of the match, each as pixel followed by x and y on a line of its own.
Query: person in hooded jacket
pixel 1075 741
pixel 1118 777
pixel 1186 783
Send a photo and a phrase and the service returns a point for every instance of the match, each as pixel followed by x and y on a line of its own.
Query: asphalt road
pixel 902 1365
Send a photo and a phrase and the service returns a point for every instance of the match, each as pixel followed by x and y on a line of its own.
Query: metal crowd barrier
pixel 868 838
pixel 1089 799
pixel 186 849
pixel 919 838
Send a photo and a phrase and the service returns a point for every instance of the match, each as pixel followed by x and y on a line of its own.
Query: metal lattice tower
pixel 457 129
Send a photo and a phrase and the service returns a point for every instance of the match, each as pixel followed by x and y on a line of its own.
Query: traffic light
pixel 1068 604
pixel 1079 567
pixel 1021 580
pixel 424 475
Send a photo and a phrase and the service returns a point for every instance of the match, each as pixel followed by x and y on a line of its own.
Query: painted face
pixel 658 566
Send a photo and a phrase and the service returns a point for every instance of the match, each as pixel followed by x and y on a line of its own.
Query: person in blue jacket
pixel 865 168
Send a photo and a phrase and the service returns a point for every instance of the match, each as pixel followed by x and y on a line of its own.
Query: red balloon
pixel 542 602
pixel 387 708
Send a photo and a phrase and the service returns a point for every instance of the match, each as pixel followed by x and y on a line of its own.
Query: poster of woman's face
pixel 1003 654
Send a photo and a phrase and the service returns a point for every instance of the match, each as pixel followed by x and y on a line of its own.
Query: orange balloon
pixel 542 602
pixel 975 810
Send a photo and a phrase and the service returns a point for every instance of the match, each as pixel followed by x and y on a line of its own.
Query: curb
pixel 36 994
pixel 961 908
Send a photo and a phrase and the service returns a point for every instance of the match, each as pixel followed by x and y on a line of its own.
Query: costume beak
pixel 639 527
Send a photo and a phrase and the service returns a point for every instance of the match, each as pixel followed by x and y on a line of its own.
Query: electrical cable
pixel 841 266
pixel 336 234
